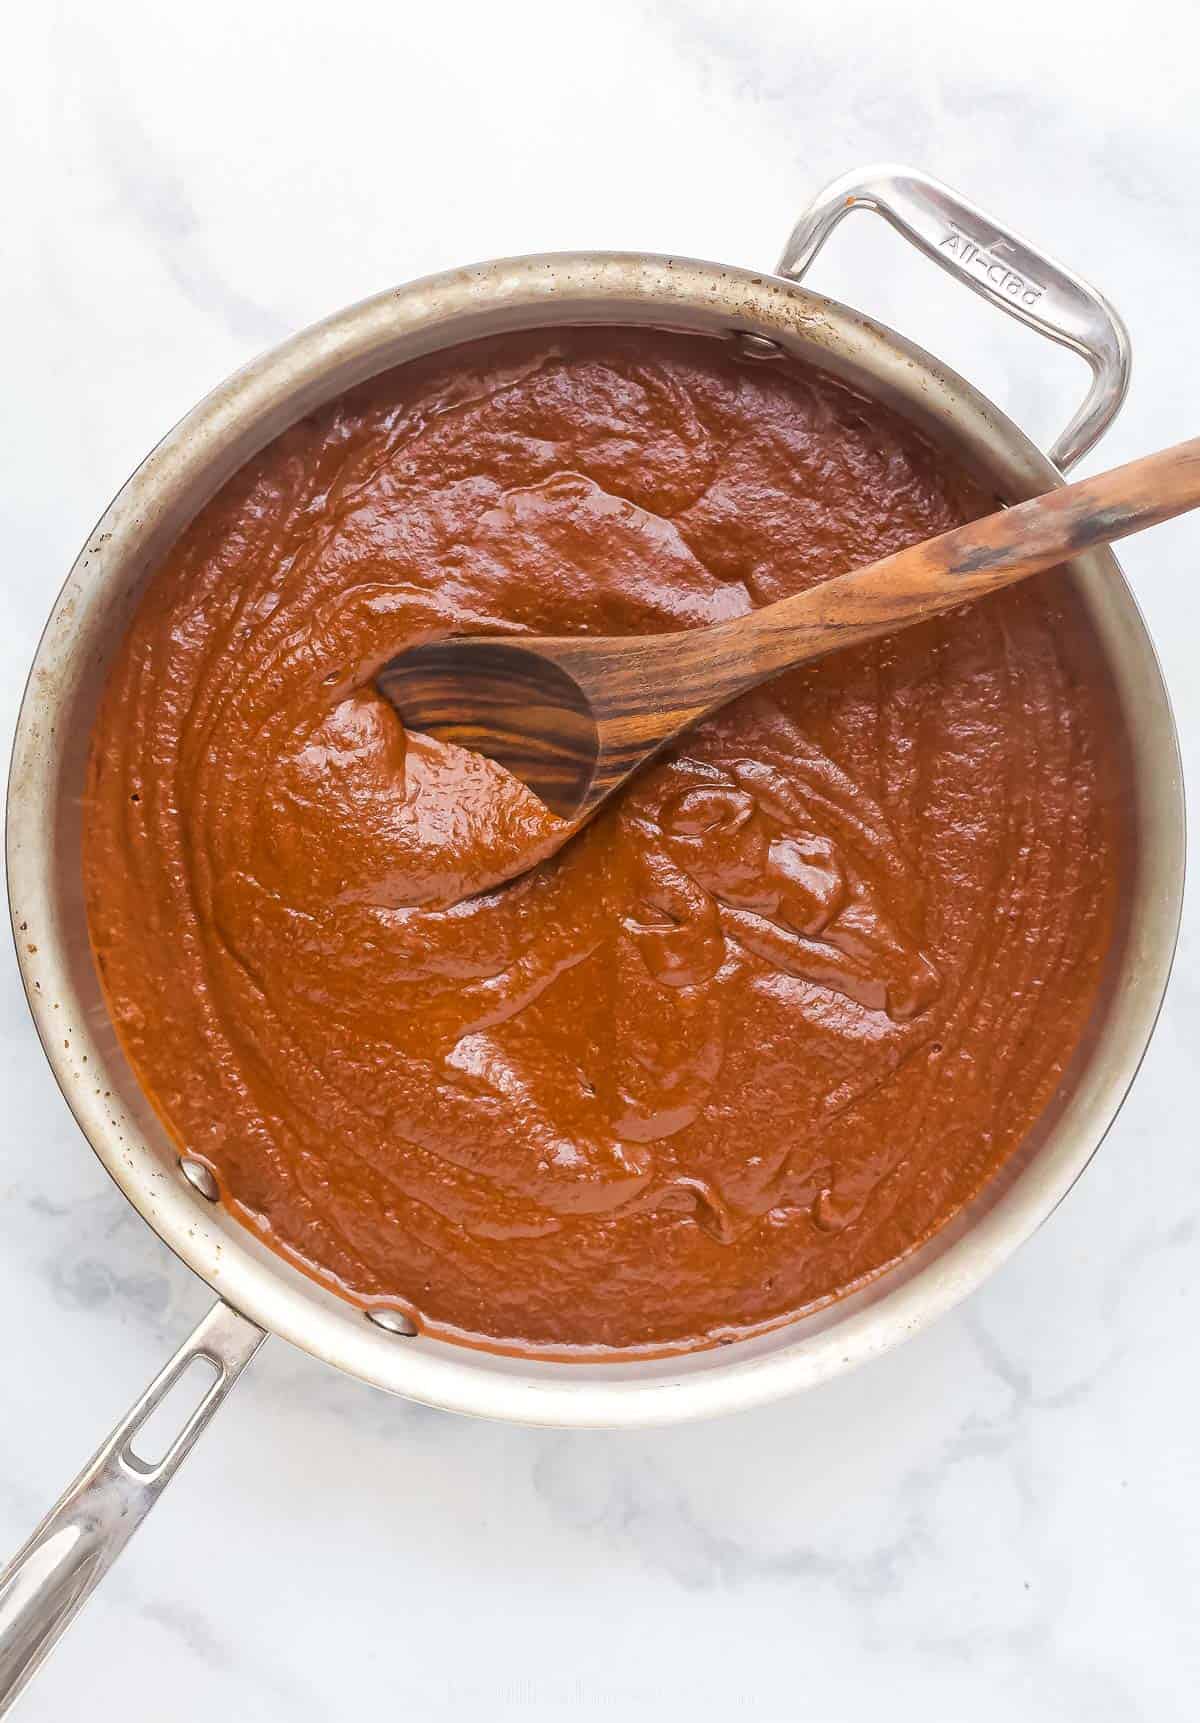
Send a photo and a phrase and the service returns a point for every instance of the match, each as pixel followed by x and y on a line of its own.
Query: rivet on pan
pixel 395 1321
pixel 198 1175
pixel 757 346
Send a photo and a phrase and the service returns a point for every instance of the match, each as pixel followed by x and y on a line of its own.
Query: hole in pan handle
pixel 993 261
pixel 47 1582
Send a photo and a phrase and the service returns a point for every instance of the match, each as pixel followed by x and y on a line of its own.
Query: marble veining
pixel 1002 1518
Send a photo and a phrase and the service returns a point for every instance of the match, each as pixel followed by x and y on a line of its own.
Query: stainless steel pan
pixel 770 315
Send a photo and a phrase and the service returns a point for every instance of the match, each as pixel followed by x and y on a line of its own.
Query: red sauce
pixel 765 1024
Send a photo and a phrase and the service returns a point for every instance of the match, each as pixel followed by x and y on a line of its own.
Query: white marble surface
pixel 1002 1519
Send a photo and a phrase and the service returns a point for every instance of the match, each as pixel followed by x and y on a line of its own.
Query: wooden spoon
pixel 573 718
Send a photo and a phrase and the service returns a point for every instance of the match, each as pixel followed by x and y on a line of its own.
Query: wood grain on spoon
pixel 572 718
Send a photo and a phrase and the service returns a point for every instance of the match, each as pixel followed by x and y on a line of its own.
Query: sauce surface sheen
pixel 761 1027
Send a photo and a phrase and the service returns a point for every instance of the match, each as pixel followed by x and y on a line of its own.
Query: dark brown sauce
pixel 764 1025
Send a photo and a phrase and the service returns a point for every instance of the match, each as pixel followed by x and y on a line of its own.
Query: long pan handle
pixel 48 1581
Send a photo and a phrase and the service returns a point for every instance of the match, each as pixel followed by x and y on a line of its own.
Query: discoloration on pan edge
pixel 185 469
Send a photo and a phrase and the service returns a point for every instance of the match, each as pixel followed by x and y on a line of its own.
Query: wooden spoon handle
pixel 963 564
